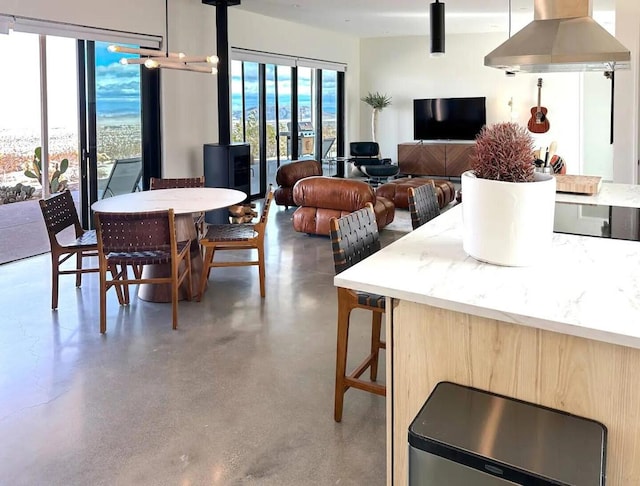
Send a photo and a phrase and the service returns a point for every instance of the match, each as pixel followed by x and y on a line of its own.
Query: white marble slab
pixel 586 286
pixel 182 201
pixel 610 194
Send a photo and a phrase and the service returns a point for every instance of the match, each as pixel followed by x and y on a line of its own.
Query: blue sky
pixel 117 85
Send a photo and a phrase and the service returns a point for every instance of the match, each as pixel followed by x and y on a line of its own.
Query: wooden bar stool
pixel 354 237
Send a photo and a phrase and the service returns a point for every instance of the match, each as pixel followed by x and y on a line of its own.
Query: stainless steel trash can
pixel 464 436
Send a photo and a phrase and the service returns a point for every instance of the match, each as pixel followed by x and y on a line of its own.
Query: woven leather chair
pixel 353 238
pixel 135 240
pixel 59 213
pixel 185 182
pixel 244 236
pixel 423 204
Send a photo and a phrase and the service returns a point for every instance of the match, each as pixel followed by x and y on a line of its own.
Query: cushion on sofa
pixel 333 193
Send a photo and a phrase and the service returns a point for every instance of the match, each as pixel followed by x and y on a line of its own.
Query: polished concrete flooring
pixel 241 393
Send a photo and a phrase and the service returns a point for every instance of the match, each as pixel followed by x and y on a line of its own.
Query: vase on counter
pixel 508 223
pixel 507 208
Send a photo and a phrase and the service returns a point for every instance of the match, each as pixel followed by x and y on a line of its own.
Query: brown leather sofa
pixel 322 198
pixel 397 190
pixel 288 174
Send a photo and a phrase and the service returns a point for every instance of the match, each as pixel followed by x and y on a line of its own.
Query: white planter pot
pixel 508 223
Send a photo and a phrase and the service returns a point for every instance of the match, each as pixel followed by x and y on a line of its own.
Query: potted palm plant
pixel 508 208
pixel 377 102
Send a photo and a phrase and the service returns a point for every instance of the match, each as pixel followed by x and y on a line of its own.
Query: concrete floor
pixel 241 393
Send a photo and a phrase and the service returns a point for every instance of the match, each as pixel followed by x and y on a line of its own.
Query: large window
pixel 285 113
pixel 329 103
pixel 118 114
pixel 89 116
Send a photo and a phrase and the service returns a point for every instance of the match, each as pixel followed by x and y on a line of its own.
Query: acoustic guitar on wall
pixel 538 123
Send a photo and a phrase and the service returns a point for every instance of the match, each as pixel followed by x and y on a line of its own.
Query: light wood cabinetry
pixel 581 376
pixel 444 159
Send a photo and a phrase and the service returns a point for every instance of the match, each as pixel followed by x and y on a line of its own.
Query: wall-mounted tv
pixel 448 118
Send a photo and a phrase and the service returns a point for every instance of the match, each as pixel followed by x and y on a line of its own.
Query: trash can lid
pixel 509 438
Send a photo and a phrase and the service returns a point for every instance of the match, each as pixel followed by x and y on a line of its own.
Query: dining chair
pixel 180 183
pixel 243 236
pixel 135 240
pixel 59 213
pixel 423 204
pixel 354 237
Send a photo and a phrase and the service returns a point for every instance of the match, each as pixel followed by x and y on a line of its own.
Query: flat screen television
pixel 448 118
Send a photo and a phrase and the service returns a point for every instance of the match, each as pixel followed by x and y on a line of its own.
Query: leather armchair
pixel 288 174
pixel 322 198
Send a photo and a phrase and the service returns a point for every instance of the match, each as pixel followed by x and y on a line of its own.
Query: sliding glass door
pixel 329 125
pixel 285 113
pixel 110 124
pixel 21 115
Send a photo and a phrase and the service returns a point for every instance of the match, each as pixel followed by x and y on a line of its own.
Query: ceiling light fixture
pixel 436 19
pixel 156 58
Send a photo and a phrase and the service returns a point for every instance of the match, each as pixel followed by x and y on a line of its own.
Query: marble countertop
pixel 586 286
pixel 610 194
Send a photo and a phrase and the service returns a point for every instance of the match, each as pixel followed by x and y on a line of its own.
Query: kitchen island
pixel 564 333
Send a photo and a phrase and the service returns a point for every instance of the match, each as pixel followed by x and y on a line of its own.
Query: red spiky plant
pixel 504 152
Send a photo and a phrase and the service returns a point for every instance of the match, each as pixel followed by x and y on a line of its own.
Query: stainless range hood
pixel 563 37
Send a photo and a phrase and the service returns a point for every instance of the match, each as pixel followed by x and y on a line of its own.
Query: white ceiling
pixel 386 18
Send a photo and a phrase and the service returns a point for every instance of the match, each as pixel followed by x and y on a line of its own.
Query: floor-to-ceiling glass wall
pixel 51 65
pixel 118 123
pixel 21 112
pixel 329 127
pixel 285 103
pixel 290 125
pixel 246 116
pixel 271 120
pixel 307 124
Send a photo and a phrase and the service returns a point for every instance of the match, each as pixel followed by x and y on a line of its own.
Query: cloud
pixel 117 81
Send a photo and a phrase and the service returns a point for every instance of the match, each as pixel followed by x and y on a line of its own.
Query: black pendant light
pixel 436 18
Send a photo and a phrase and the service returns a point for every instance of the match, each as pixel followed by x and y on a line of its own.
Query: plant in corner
pixel 377 102
pixel 56 182
pixel 508 208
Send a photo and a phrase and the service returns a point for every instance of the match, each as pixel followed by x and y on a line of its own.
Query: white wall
pixel 189 100
pixel 258 32
pixel 402 68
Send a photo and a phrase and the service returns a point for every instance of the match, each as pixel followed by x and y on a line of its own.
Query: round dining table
pixel 184 203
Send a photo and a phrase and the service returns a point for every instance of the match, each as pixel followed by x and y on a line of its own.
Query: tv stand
pixel 440 158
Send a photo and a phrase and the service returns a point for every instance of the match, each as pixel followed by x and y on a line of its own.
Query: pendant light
pixel 436 19
pixel 156 58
